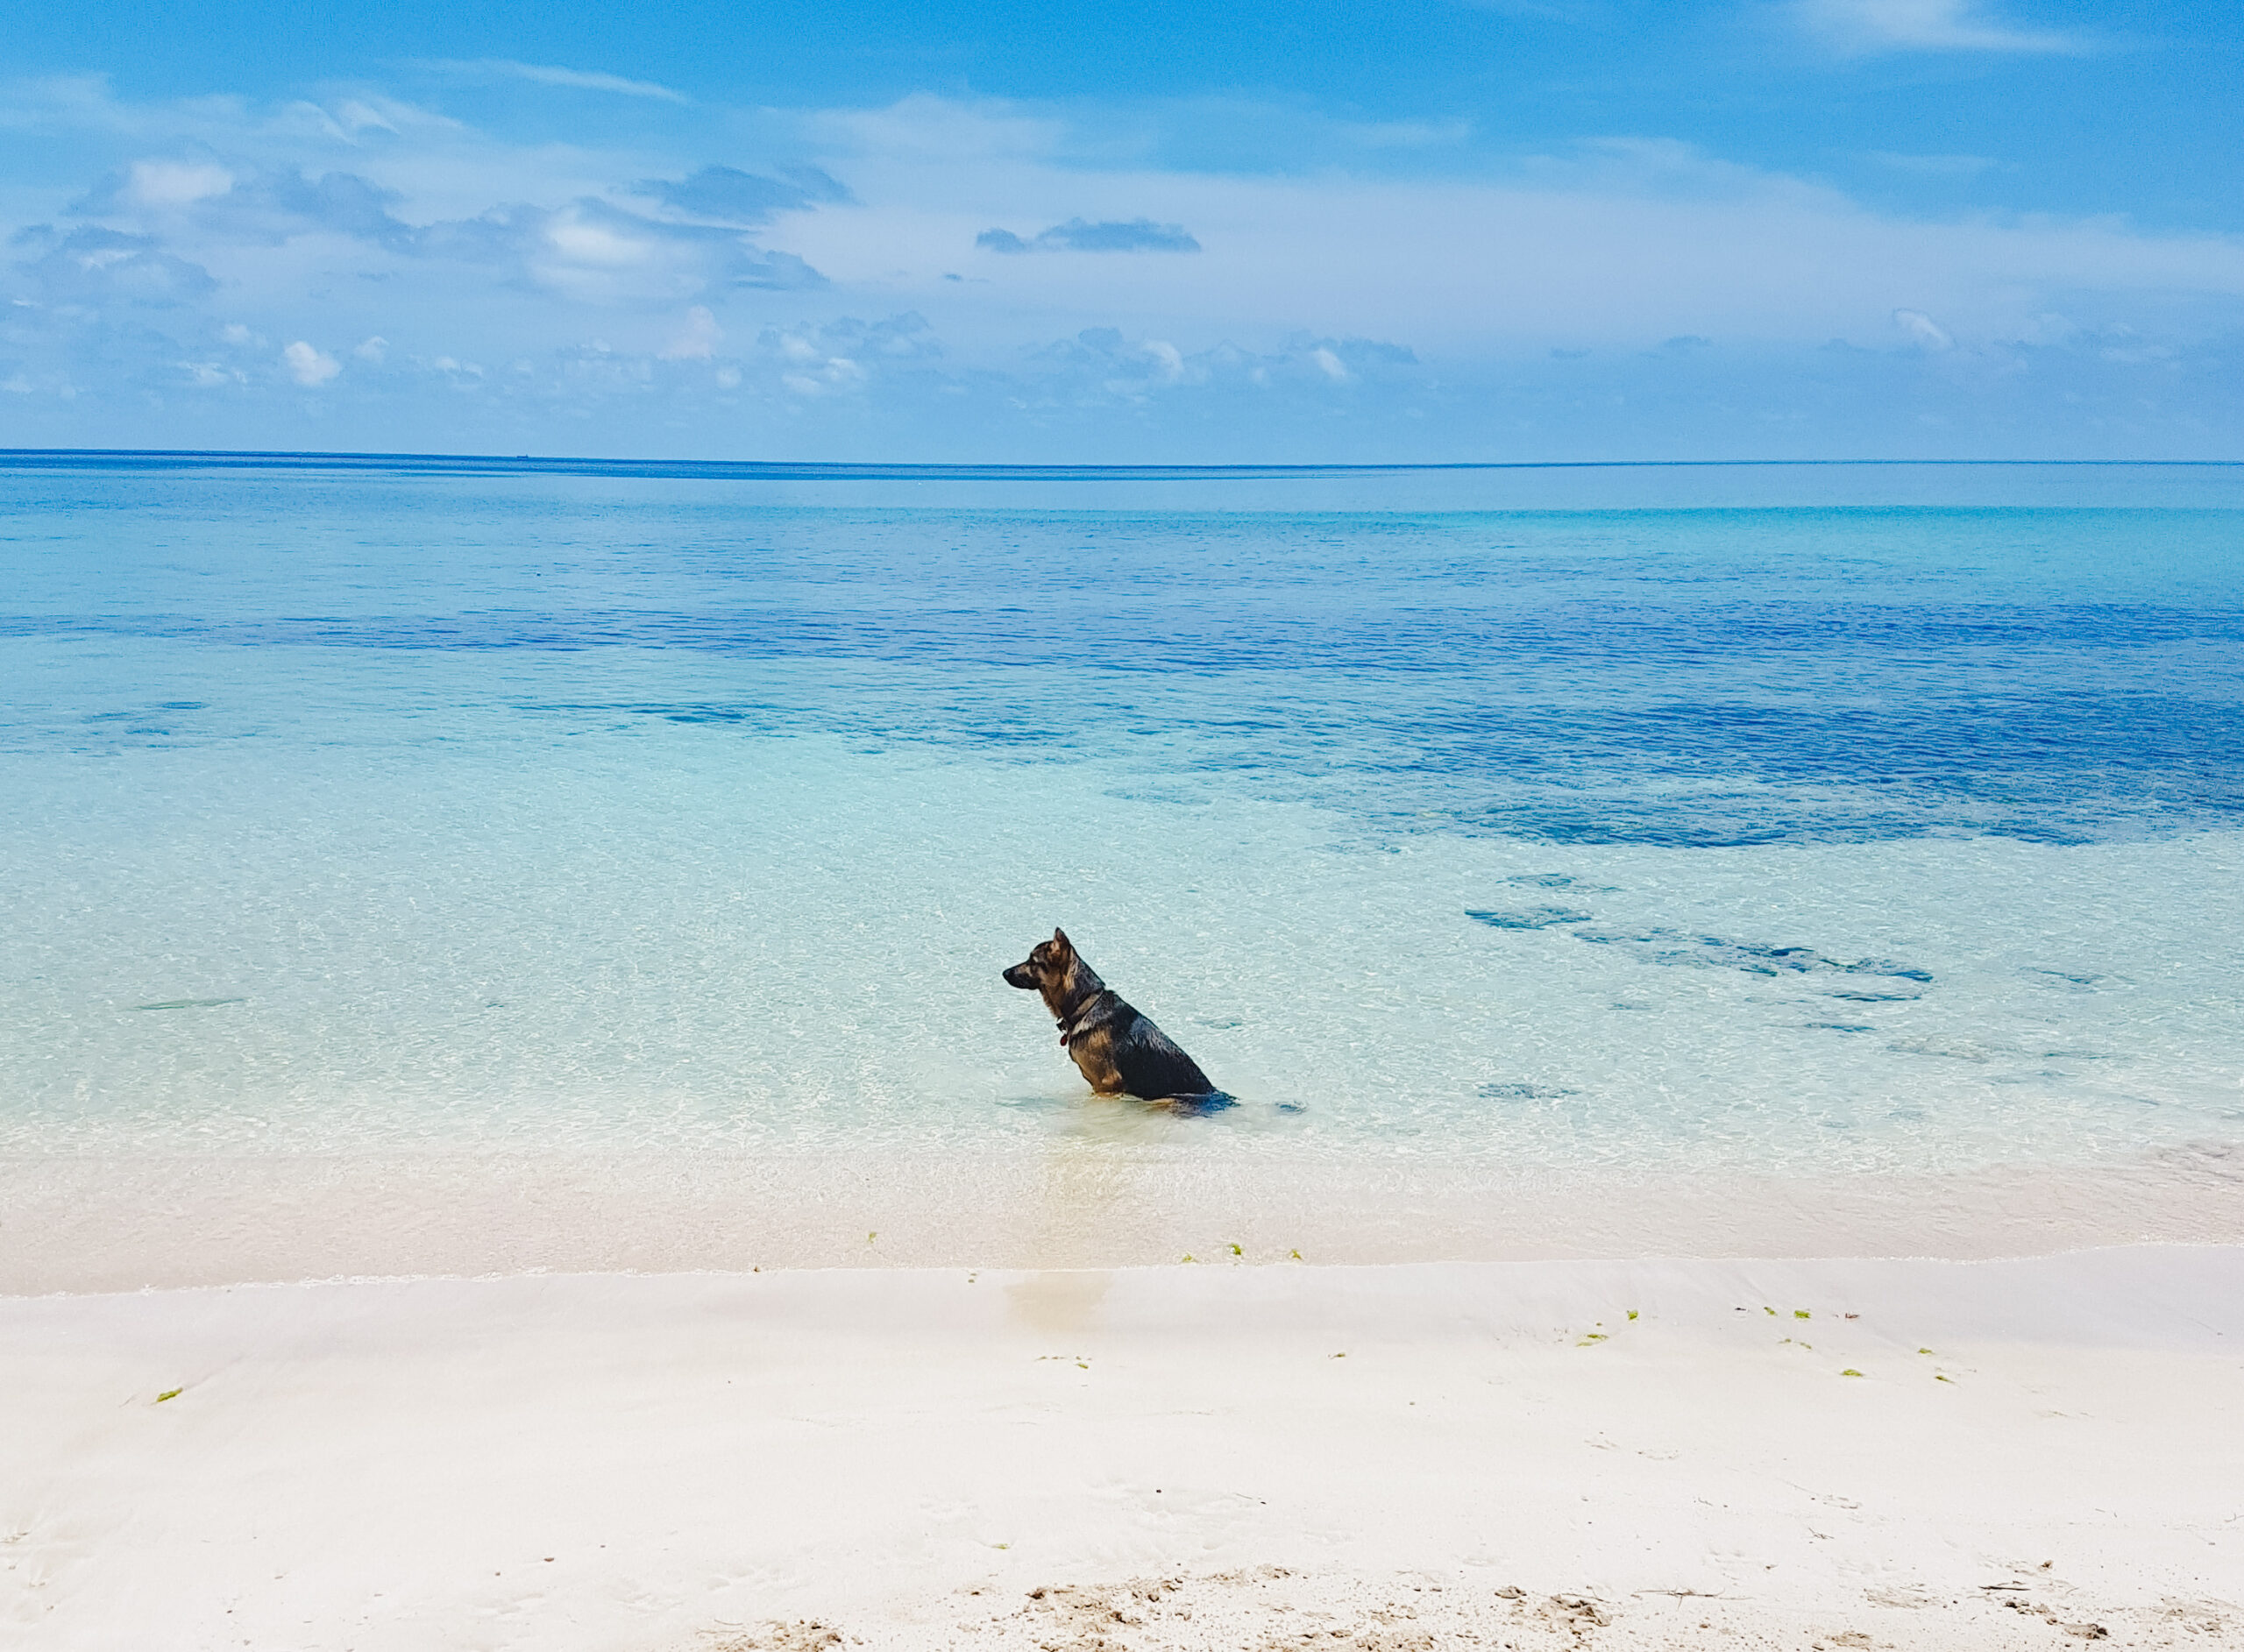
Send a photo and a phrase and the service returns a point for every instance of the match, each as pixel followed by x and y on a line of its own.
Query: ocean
pixel 1700 822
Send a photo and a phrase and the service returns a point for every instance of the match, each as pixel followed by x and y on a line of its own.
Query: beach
pixel 1669 1453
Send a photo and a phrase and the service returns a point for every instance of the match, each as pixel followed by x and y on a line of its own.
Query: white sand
pixel 1174 1455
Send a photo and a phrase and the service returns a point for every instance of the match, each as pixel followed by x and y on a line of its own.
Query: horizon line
pixel 864 470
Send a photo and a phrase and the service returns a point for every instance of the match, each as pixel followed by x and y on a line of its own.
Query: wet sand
pixel 92 1223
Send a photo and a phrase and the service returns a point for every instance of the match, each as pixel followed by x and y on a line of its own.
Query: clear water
pixel 388 812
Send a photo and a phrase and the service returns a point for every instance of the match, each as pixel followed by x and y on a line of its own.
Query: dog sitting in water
pixel 1120 1051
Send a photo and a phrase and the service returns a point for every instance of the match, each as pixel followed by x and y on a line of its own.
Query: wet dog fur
pixel 1119 1052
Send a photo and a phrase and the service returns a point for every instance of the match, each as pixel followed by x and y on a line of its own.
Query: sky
pixel 1422 231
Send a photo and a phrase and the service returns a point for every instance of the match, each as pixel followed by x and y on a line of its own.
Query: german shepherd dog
pixel 1120 1051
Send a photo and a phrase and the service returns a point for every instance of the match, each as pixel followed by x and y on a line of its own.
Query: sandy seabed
pixel 2024 1453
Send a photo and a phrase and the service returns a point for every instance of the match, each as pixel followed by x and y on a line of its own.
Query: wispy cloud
pixel 1871 27
pixel 1934 166
pixel 548 75
pixel 1139 235
pixel 1921 331
pixel 587 249
pixel 1543 10
pixel 1404 134
pixel 728 195
pixel 201 271
pixel 97 267
pixel 590 252
pixel 697 340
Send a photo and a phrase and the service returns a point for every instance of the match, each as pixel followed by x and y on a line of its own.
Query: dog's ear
pixel 1060 939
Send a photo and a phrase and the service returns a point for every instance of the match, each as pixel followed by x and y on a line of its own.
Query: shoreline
pixel 95 1224
pixel 1679 1453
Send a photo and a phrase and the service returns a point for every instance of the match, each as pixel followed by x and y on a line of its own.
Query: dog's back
pixel 1121 1050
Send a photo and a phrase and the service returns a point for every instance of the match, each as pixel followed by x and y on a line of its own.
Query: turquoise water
pixel 393 812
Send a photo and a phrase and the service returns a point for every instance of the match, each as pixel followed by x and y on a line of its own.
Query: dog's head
pixel 1046 966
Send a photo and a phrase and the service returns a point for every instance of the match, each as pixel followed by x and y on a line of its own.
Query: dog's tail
pixel 1198 1105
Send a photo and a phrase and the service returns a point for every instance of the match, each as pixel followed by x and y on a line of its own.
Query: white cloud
pixel 1867 27
pixel 603 246
pixel 373 349
pixel 697 340
pixel 1329 365
pixel 549 75
pixel 1167 360
pixel 839 373
pixel 174 183
pixel 308 366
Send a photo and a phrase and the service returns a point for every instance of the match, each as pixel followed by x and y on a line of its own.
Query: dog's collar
pixel 1072 1023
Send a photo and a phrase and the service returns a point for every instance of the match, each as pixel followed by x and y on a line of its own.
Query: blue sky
pixel 1512 230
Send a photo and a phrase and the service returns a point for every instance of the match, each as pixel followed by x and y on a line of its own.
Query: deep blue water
pixel 1697 677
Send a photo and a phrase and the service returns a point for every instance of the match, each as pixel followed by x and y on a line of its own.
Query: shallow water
pixel 398 813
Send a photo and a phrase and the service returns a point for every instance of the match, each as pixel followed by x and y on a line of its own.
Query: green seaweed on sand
pixel 1850 1371
pixel 1632 1313
pixel 169 1393
pixel 1801 1313
pixel 1235 1250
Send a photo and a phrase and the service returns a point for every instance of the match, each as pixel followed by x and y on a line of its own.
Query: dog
pixel 1118 1051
